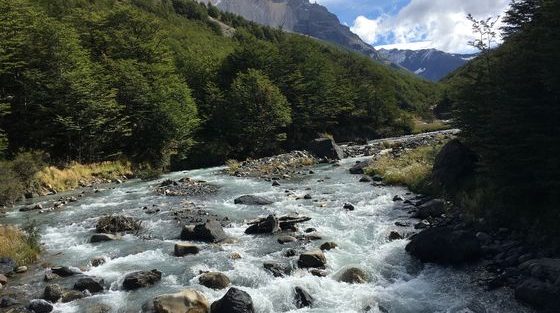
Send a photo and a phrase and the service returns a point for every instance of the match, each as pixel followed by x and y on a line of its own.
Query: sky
pixel 415 24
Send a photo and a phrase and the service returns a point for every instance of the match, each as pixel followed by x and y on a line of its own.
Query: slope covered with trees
pixel 156 81
pixel 507 104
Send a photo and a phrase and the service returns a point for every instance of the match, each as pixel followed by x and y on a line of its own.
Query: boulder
pixel 188 300
pixel 358 168
pixel 103 238
pixel 91 284
pixel 353 275
pixel 141 279
pixel 214 280
pixel 71 295
pixel 7 265
pixel 312 259
pixel 211 231
pixel 64 271
pixel 432 208
pixel 182 249
pixel 265 226
pixel 302 298
pixel 117 223
pixel 20 269
pixel 50 276
pixel 286 239
pixel 328 246
pixel 453 164
pixel 541 295
pixel 36 207
pixel 234 301
pixel 40 306
pixel 365 179
pixel 53 293
pixel 325 148
pixel 253 200
pixel 444 245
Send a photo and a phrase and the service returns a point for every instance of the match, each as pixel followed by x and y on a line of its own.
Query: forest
pixel 169 84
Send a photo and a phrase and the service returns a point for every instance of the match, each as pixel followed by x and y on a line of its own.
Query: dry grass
pixel 421 126
pixel 412 168
pixel 72 176
pixel 15 244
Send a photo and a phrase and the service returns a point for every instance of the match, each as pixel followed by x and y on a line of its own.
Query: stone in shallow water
pixel 53 293
pixel 91 284
pixel 211 231
pixel 188 300
pixel 234 301
pixel 182 249
pixel 314 258
pixel 141 279
pixel 214 280
pixel 353 275
pixel 40 306
pixel 328 246
pixel 302 298
pixel 253 200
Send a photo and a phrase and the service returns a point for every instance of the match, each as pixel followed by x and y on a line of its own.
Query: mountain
pixel 298 16
pixel 431 64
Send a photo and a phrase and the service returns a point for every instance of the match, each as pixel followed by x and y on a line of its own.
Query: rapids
pixel 398 283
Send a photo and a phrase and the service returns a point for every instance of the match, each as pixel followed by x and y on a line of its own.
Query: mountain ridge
pixel 299 16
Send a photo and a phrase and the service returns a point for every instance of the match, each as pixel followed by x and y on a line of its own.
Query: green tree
pixel 257 114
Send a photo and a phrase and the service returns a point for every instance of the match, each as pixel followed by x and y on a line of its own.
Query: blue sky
pixel 414 24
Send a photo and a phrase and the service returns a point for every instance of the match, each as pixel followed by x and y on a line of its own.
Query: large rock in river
pixel 116 223
pixel 214 280
pixel 186 301
pixel 432 208
pixel 325 148
pixel 353 275
pixel 252 200
pixel 312 259
pixel 444 245
pixel 453 164
pixel 210 231
pixel 141 279
pixel 266 226
pixel 91 284
pixel 40 306
pixel 234 301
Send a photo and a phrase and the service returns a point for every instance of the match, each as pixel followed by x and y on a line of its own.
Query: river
pixel 397 282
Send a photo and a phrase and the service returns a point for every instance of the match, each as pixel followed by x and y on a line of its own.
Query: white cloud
pixel 418 45
pixel 443 23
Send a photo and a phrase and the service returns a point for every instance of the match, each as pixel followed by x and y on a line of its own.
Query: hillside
pixel 153 81
pixel 431 64
pixel 298 16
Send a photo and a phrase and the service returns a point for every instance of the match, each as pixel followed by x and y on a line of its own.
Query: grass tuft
pixel 21 246
pixel 412 168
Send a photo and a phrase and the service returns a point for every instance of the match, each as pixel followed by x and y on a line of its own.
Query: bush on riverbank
pixel 21 246
pixel 412 168
pixel 17 176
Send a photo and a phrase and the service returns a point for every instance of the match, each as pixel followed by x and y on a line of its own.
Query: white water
pixel 397 282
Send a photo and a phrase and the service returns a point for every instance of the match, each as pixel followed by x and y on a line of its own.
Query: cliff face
pixel 298 16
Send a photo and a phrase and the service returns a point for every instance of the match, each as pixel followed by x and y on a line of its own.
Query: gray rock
pixel 328 246
pixel 117 223
pixel 395 236
pixel 182 249
pixel 325 148
pixel 188 300
pixel 348 207
pixel 91 284
pixel 266 226
pixel 302 298
pixel 286 239
pixel 210 231
pixel 7 265
pixel 443 245
pixel 432 208
pixel 64 271
pixel 141 279
pixel 234 301
pixel 353 275
pixel 312 259
pixel 72 295
pixel 358 168
pixel 98 261
pixel 103 238
pixel 40 306
pixel 214 280
pixel 277 269
pixel 453 164
pixel 252 200
pixel 53 293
